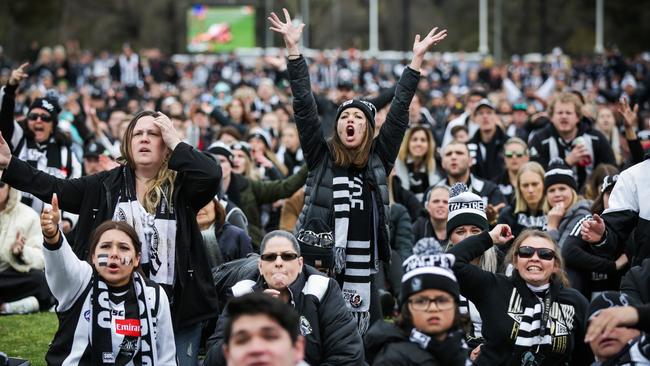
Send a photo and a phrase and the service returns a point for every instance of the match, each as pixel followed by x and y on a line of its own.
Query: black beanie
pixel 608 299
pixel 465 208
pixel 219 148
pixel 50 106
pixel 428 268
pixel 367 108
pixel 559 172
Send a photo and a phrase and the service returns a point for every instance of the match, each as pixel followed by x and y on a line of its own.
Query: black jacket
pixel 422 228
pixel 318 195
pixel 489 163
pixel 521 220
pixel 547 144
pixel 407 199
pixel 508 308
pixel 636 283
pixel 387 344
pixel 331 336
pixel 94 198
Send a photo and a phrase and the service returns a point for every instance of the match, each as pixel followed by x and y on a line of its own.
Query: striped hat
pixel 465 208
pixel 558 172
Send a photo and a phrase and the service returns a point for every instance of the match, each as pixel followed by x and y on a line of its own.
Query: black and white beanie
pixel 606 300
pixel 558 172
pixel 368 109
pixel 51 106
pixel 261 134
pixel 219 148
pixel 429 268
pixel 465 208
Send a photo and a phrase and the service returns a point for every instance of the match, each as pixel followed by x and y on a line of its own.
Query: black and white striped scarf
pixel 136 325
pixel 157 232
pixel 356 260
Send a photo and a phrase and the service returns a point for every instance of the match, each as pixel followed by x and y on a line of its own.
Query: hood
pixel 379 335
pixel 581 208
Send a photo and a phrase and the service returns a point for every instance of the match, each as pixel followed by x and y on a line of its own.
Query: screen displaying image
pixel 220 28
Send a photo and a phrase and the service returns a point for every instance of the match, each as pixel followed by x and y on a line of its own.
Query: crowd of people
pixel 328 211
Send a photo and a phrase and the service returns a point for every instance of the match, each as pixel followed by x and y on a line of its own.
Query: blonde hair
pixel 162 185
pixel 559 273
pixel 345 157
pixel 566 98
pixel 534 167
pixel 429 161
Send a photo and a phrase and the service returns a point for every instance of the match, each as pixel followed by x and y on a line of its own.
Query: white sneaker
pixel 22 306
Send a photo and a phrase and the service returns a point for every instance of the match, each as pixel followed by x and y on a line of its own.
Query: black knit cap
pixel 368 109
pixel 51 106
pixel 559 172
pixel 219 148
pixel 608 299
pixel 428 268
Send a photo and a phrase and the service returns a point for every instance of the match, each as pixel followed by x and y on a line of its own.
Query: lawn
pixel 27 336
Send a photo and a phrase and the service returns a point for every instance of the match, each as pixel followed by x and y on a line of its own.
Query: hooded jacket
pixel 94 198
pixel 511 313
pixel 318 194
pixel 331 336
pixel 20 218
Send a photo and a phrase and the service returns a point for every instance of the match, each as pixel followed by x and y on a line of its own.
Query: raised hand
pixel 289 32
pixel 50 218
pixel 501 234
pixel 167 131
pixel 629 115
pixel 18 74
pixel 5 153
pixel 592 230
pixel 420 47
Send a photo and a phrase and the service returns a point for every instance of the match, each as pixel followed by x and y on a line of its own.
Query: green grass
pixel 240 18
pixel 27 336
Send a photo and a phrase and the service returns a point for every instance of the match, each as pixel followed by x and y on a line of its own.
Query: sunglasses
pixel 510 154
pixel 542 253
pixel 286 256
pixel 43 117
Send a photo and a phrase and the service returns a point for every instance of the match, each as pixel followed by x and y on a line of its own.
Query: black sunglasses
pixel 43 117
pixel 286 256
pixel 543 253
pixel 510 154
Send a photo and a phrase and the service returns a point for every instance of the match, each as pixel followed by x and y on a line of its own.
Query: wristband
pixel 50 237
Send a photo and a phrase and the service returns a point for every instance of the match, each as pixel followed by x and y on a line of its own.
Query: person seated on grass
pixel 109 313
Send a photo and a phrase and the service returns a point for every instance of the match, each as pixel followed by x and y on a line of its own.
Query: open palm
pixel 420 47
pixel 290 32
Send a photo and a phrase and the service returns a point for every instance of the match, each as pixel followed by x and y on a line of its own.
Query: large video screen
pixel 220 28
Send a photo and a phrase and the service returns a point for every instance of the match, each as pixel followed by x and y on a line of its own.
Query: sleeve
pixel 341 342
pixel 545 91
pixel 636 151
pixel 33 250
pixel 66 275
pixel 404 235
pixel 576 255
pixel 201 174
pixel 244 244
pixel 631 287
pixel 214 345
pixel 605 154
pixel 383 98
pixel 26 178
pixel 271 191
pixel 537 152
pixel 581 355
pixel 165 345
pixel 622 215
pixel 574 223
pixel 513 94
pixel 392 131
pixel 474 282
pixel 305 113
pixel 644 317
pixel 10 129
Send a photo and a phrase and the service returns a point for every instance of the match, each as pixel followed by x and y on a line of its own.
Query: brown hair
pixel 113 225
pixel 429 160
pixel 592 188
pixel 246 118
pixel 163 182
pixel 345 157
pixel 566 98
pixel 511 257
pixel 534 167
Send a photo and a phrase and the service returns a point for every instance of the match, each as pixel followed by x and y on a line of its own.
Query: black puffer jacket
pixel 94 197
pixel 318 194
pixel 387 344
pixel 331 336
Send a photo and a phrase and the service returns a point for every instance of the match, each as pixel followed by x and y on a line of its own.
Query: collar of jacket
pixel 527 293
pixel 294 288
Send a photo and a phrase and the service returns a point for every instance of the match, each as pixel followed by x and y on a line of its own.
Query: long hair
pixel 429 162
pixel 511 256
pixel 345 157
pixel 163 182
pixel 246 118
pixel 534 167
pixel 592 186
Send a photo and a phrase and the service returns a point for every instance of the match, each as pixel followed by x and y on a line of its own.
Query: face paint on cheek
pixel 126 261
pixel 102 260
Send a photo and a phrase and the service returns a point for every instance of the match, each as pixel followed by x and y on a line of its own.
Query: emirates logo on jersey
pixel 128 327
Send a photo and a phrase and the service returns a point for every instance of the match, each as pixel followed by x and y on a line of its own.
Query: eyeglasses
pixel 423 303
pixel 286 256
pixel 43 117
pixel 543 253
pixel 510 154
